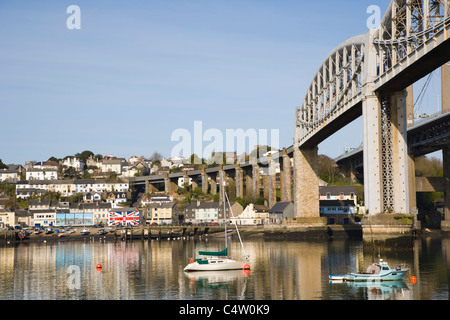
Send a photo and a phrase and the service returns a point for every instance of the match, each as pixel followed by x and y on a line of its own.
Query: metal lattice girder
pixel 407 32
pixel 335 87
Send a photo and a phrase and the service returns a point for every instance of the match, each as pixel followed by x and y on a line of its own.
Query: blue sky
pixel 138 70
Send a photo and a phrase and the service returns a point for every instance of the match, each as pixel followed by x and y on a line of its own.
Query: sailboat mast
pixel 222 181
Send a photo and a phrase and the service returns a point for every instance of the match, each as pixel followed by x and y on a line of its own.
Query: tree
pixel 83 156
pixel 428 167
pixel 2 165
pixel 327 168
pixel 71 173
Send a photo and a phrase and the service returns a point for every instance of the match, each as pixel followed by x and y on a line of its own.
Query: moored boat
pixel 215 261
pixel 375 272
pixel 85 231
pixel 219 260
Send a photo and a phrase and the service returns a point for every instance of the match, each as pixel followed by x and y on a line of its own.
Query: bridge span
pixel 372 76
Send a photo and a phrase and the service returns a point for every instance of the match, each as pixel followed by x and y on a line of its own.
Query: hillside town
pixel 88 189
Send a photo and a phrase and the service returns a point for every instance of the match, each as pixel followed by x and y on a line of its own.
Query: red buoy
pixel 99 266
pixel 246 267
pixel 413 279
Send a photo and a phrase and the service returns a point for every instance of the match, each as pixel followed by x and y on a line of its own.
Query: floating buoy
pixel 191 261
pixel 99 266
pixel 413 279
pixel 246 267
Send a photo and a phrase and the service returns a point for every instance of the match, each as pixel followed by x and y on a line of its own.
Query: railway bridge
pixel 370 75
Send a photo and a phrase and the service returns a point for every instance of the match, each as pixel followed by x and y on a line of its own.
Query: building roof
pixel 8 171
pixel 161 205
pixel 336 190
pixel 280 207
pixel 207 205
pixel 336 203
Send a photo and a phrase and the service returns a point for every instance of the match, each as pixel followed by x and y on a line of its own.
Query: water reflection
pixel 390 290
pixel 280 270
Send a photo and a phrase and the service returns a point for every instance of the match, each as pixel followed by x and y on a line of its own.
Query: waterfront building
pixel 6 218
pixel 338 193
pixel 281 211
pixel 210 212
pixel 161 213
pixel 338 211
pixel 251 217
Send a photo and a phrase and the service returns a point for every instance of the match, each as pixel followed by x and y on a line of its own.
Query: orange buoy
pixel 191 261
pixel 413 279
pixel 246 267
pixel 99 266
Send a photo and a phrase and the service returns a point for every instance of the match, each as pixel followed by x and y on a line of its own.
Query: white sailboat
pixel 219 260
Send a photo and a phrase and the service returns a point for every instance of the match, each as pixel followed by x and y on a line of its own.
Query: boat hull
pixel 394 275
pixel 215 265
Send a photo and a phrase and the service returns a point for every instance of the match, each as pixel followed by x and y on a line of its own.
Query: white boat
pixel 215 261
pixel 219 260
pixel 85 231
pixel 375 272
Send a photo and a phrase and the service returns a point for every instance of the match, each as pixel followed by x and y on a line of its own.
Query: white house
pixel 251 217
pixel 9 175
pixel 112 165
pixel 41 174
pixel 115 198
pixel 69 187
pixel 72 162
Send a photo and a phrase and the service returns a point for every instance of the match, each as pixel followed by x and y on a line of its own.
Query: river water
pixel 280 270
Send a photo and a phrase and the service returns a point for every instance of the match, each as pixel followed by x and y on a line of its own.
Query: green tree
pixel 2 165
pixel 83 156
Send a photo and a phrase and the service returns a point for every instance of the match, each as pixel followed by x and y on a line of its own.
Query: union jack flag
pixel 124 218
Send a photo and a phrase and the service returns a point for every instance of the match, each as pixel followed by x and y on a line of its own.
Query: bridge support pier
pixel 204 177
pixel 248 184
pixel 306 186
pixel 239 180
pixel 285 177
pixel 150 188
pixel 256 181
pixel 169 186
pixel 386 176
pixel 445 224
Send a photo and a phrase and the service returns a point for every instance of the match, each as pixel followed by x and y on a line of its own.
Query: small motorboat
pixel 85 231
pixel 22 234
pixel 37 231
pixel 375 272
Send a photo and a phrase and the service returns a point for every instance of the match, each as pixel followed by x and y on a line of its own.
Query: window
pixel 328 196
pixel 341 196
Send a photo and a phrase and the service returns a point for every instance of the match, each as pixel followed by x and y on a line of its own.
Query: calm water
pixel 280 270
